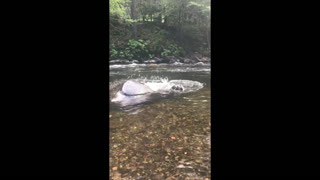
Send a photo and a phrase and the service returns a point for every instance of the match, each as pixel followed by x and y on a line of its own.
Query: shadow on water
pixel 166 138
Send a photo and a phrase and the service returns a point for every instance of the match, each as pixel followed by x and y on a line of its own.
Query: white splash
pixel 137 91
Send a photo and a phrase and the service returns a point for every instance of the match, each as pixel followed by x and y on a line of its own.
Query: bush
pixel 145 49
pixel 113 53
pixel 133 50
pixel 173 50
pixel 136 49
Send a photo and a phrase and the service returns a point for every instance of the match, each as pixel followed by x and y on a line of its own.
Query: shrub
pixel 113 53
pixel 145 49
pixel 173 50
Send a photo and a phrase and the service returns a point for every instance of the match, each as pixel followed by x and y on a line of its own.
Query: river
pixel 167 138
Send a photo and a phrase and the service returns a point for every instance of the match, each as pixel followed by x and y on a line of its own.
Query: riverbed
pixel 167 138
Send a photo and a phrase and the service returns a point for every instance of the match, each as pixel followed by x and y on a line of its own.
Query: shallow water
pixel 167 138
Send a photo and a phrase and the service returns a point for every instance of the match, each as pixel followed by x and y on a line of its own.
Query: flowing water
pixel 166 137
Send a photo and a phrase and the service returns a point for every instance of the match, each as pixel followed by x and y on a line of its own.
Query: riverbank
pixel 194 59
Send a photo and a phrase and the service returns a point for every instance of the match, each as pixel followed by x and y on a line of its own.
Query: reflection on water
pixel 164 139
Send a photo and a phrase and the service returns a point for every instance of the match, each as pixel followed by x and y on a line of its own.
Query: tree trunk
pixel 134 17
pixel 160 18
pixel 180 26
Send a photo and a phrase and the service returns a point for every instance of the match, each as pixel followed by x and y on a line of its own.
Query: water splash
pixel 158 87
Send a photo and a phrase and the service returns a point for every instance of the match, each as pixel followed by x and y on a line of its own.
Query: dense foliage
pixel 142 29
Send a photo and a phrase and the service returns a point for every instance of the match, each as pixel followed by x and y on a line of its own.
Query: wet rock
pixel 114 62
pixel 196 56
pixel 158 60
pixel 151 61
pixel 189 61
pixel 119 61
pixel 134 61
pixel 180 59
pixel 170 59
pixel 205 60
pixel 177 63
pixel 125 62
